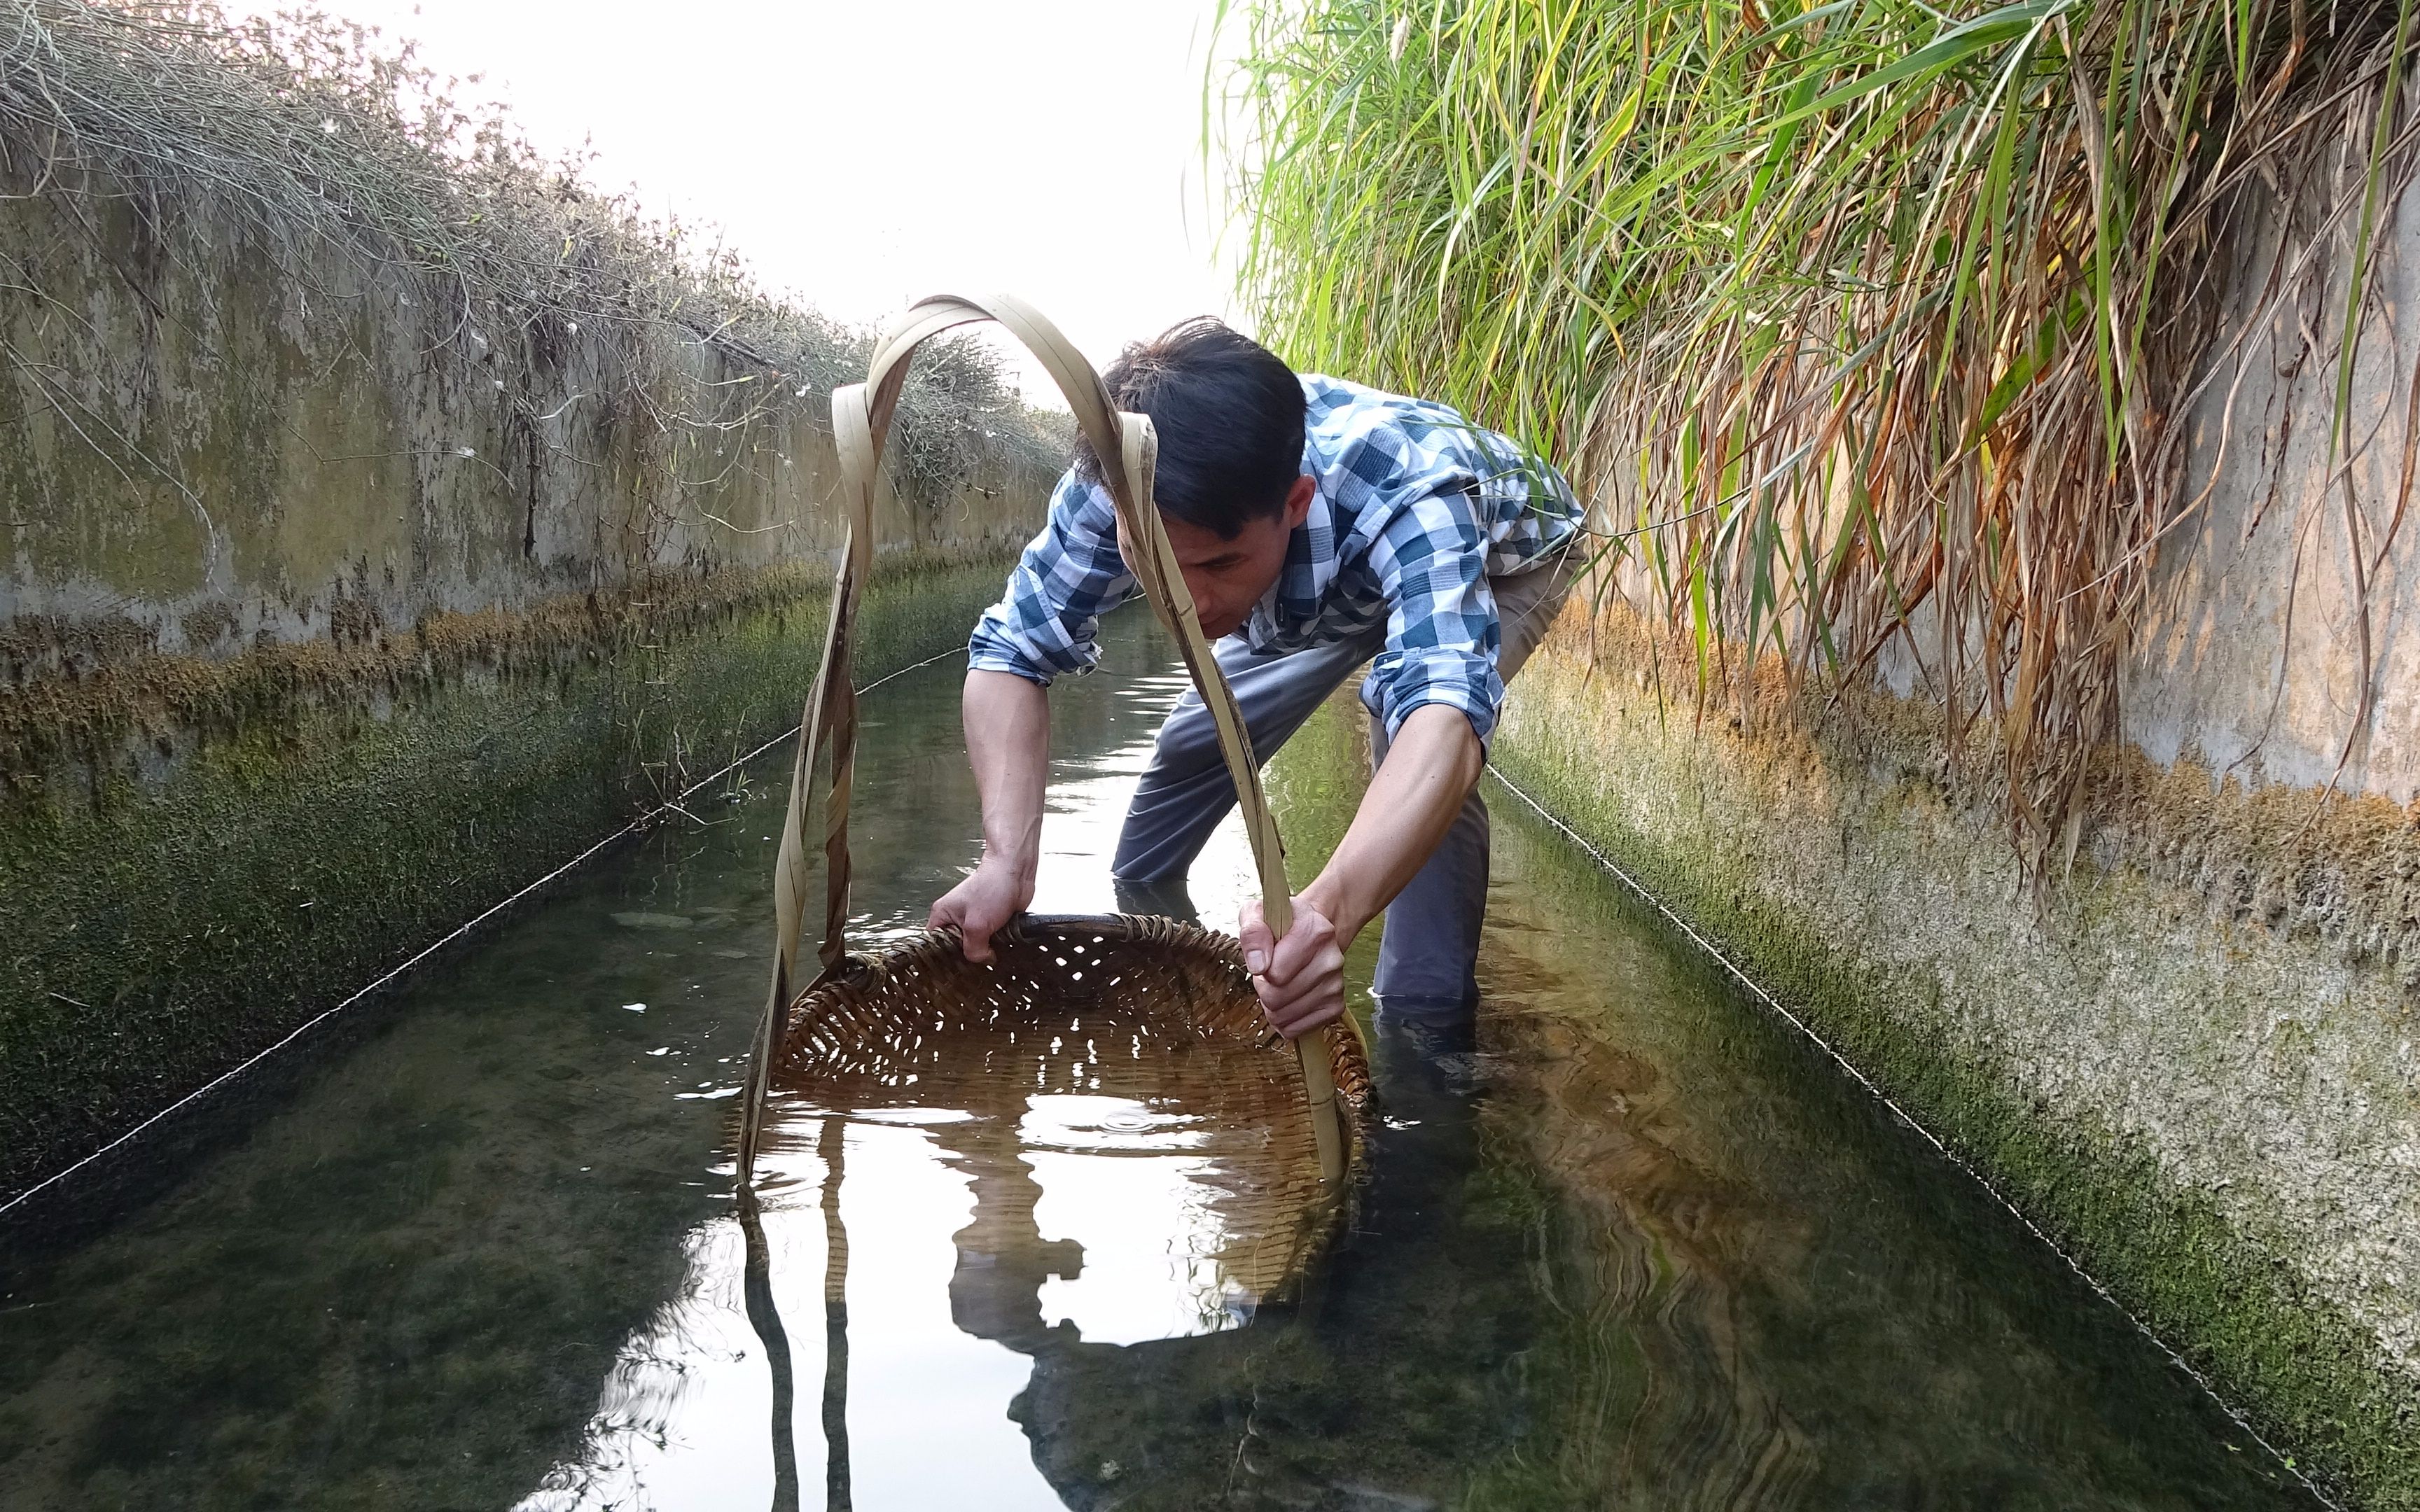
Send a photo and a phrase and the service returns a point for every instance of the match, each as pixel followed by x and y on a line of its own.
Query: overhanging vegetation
pixel 1862 321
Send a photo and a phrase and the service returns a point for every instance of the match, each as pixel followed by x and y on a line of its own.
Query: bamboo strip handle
pixel 1128 452
pixel 830 715
pixel 1163 582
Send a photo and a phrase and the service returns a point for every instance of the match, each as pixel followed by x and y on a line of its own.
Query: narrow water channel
pixel 1629 1243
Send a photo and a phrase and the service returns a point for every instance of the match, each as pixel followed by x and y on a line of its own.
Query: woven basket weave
pixel 1150 1009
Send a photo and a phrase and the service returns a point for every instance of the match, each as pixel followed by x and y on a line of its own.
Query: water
pixel 1634 1245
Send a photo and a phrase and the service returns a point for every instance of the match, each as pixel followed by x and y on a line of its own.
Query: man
pixel 1319 525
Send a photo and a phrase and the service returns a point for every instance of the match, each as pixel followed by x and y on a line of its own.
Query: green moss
pixel 311 831
pixel 90 697
pixel 405 1291
pixel 2309 1375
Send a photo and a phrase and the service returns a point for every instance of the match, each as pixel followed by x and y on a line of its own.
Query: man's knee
pixel 1187 740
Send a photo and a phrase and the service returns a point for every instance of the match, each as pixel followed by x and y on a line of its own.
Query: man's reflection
pixel 1418 1305
pixel 1003 1260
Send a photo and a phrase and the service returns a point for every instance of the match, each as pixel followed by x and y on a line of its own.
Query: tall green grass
pixel 1861 320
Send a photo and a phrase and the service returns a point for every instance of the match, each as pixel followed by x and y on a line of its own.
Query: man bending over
pixel 1320 525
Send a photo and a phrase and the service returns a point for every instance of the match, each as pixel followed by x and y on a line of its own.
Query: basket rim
pixel 1355 1090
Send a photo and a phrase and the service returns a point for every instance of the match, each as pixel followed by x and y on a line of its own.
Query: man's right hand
pixel 982 906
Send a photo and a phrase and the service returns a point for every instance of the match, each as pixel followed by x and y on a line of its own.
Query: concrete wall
pixel 339 604
pixel 2192 1056
pixel 207 450
pixel 2251 658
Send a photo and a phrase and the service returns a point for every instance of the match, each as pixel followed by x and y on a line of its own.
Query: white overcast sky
pixel 858 155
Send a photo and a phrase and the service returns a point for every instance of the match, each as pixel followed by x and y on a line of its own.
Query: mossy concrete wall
pixel 2192 1054
pixel 164 926
pixel 2210 1101
pixel 212 443
pixel 338 605
pixel 2286 593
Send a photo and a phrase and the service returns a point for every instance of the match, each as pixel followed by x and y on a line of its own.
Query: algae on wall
pixel 2187 1047
pixel 2212 1114
pixel 166 927
pixel 389 521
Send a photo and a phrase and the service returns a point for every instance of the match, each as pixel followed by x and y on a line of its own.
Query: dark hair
pixel 1230 417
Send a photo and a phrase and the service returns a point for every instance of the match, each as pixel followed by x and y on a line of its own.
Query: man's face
pixel 1227 577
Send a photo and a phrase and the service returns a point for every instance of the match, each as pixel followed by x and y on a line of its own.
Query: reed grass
pixel 1868 326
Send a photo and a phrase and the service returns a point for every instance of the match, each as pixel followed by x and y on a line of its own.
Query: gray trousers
pixel 1427 955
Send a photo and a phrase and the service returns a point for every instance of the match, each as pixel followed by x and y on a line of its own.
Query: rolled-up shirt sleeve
pixel 1430 559
pixel 1048 622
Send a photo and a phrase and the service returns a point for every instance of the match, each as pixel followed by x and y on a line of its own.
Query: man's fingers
pixel 1296 1026
pixel 1310 938
pixel 975 932
pixel 974 942
pixel 1254 934
pixel 1295 951
pixel 1317 986
pixel 1300 978
pixel 1323 974
pixel 1309 1011
pixel 1278 996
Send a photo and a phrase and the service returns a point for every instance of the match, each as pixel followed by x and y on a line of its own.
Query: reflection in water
pixel 668 1412
pixel 766 1319
pixel 1319 1402
pixel 1626 1244
pixel 1002 1260
pixel 836 1498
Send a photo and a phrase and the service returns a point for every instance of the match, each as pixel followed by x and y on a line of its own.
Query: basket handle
pixel 1128 452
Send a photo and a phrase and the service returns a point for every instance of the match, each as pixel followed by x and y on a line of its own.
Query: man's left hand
pixel 1300 978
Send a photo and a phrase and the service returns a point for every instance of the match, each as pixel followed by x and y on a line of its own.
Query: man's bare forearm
pixel 1008 743
pixel 1412 801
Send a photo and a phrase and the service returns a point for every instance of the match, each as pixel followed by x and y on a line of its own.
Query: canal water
pixel 1627 1241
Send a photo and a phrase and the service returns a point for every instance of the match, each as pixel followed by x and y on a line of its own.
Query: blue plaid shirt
pixel 1417 508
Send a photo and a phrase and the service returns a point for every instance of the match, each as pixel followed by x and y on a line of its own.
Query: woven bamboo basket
pixel 1147 1009
pixel 918 1022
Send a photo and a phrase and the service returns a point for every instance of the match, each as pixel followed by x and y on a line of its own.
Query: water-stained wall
pixel 2190 1052
pixel 340 601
